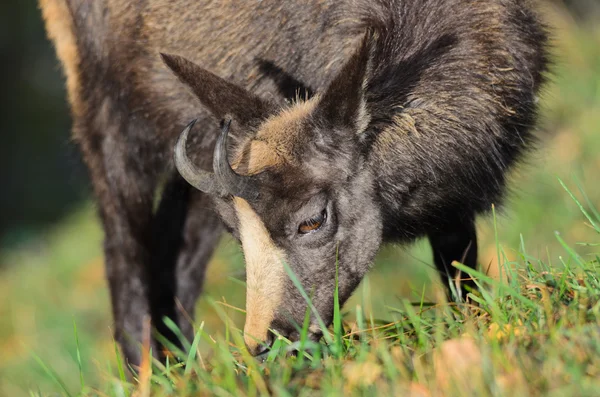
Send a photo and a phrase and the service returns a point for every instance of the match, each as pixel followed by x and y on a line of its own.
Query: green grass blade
pixel 51 374
pixel 177 331
pixel 591 205
pixel 304 337
pixel 120 366
pixel 570 250
pixel 497 241
pixel 191 358
pixel 78 351
pixel 498 284
pixel 583 211
pixel 337 318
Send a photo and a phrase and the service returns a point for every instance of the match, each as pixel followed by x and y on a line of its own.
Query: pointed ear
pixel 344 104
pixel 219 96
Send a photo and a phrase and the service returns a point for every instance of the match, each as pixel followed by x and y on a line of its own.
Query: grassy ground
pixel 534 334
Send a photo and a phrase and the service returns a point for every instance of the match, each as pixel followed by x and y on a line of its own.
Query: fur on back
pixel 451 94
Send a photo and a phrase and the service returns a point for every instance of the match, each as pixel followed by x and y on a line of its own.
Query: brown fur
pixel 60 29
pixel 276 141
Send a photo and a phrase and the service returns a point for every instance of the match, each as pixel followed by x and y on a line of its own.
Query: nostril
pixel 263 347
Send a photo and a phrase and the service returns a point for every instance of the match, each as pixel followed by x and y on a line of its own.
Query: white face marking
pixel 265 274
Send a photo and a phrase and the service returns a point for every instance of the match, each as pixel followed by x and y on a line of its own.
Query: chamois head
pixel 296 189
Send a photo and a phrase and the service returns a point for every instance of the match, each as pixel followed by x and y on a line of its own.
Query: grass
pixel 534 333
pixel 534 330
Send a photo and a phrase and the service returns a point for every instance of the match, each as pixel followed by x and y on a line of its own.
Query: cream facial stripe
pixel 265 274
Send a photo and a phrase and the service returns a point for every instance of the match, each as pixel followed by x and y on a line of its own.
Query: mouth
pixel 292 345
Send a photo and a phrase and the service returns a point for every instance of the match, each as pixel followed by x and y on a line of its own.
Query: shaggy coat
pixel 350 123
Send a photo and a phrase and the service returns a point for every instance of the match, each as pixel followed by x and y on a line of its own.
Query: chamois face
pixel 315 205
pixel 296 191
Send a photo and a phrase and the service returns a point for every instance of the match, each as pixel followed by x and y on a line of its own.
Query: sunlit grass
pixel 533 334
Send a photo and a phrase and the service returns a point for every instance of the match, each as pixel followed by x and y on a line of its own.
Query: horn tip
pixel 187 129
pixel 181 141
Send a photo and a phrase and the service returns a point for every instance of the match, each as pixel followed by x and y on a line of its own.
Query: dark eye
pixel 313 224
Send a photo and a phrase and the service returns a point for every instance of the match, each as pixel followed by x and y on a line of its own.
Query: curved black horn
pixel 237 185
pixel 198 178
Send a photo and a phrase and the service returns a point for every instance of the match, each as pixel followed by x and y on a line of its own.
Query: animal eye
pixel 313 224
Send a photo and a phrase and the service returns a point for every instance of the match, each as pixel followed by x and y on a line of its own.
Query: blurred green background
pixel 51 270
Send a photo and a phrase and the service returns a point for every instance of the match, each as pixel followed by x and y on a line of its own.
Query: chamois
pixel 324 129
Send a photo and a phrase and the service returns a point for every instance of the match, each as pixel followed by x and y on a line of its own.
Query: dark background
pixel 41 175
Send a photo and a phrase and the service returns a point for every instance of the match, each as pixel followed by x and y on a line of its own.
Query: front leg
pixel 125 204
pixel 201 234
pixel 455 241
pixel 167 239
pixel 186 232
